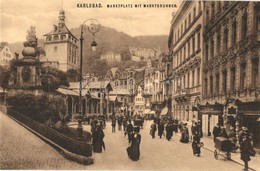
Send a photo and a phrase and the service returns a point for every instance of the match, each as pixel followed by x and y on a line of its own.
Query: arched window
pixel 55 38
pixel 49 38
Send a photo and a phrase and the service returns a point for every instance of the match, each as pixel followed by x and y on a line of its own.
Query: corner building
pixel 185 46
pixel 230 72
pixel 61 47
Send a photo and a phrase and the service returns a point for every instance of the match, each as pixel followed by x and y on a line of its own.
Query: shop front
pixel 210 115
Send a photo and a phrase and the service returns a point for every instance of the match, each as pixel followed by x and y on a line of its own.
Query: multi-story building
pixel 139 54
pixel 231 73
pixel 154 86
pixel 185 43
pixel 111 57
pixel 61 47
pixel 6 54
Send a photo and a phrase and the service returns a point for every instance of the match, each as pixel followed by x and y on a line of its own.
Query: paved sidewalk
pixel 254 164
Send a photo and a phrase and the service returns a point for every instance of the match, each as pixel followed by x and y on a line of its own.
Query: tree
pixel 52 78
pixel 72 75
pixel 4 77
pixel 125 55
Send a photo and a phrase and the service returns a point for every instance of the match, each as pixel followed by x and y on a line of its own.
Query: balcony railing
pixel 188 91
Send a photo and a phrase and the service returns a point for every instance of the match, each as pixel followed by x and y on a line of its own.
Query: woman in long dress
pixel 134 150
pixel 97 141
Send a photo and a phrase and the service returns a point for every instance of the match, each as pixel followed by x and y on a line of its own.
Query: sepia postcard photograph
pixel 130 85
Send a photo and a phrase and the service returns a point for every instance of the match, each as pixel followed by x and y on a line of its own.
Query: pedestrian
pixel 160 129
pixel 134 150
pixel 245 148
pixel 124 123
pixel 223 132
pixel 153 129
pixel 169 130
pixel 216 131
pixel 97 142
pixel 119 121
pixel 129 131
pixel 113 125
pixel 199 128
pixel 184 134
pixel 242 132
pixel 196 145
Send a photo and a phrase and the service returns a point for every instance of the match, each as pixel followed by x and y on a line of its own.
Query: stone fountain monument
pixel 26 79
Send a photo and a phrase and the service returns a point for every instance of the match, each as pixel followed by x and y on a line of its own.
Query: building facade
pixel 139 54
pixel 185 44
pixel 111 57
pixel 61 47
pixel 6 54
pixel 230 73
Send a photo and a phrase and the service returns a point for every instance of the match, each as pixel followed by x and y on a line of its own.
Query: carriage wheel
pixel 228 155
pixel 216 154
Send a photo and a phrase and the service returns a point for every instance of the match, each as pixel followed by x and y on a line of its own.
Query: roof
pixel 60 30
pixel 99 84
pixel 2 45
pixel 68 92
pixel 91 85
pixel 119 91
pixel 112 98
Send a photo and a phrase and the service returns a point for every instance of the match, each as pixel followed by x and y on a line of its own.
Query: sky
pixel 18 15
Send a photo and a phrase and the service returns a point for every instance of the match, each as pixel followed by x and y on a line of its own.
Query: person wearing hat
pixel 184 134
pixel 242 132
pixel 245 147
pixel 216 131
pixel 134 150
pixel 153 129
pixel 97 142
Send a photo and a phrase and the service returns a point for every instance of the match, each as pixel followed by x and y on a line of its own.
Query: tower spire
pixel 62 16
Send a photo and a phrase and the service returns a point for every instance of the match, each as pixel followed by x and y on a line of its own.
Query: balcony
pixel 183 94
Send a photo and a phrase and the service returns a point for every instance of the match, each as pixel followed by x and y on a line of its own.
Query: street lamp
pixel 92 28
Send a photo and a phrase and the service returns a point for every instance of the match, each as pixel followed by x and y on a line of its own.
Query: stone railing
pixel 83 148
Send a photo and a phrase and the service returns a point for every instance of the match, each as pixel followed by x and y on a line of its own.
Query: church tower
pixel 61 46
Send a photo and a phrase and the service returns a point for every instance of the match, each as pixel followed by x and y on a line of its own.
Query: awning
pixel 112 98
pixel 146 111
pixel 164 111
pixel 67 92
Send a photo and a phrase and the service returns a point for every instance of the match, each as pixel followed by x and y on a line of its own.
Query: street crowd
pixel 166 127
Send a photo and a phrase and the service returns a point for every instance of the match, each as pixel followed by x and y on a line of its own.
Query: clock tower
pixel 27 79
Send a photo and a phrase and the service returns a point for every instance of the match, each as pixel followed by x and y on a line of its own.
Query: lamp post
pixel 92 28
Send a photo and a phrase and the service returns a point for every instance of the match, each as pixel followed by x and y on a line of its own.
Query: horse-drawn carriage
pixel 223 147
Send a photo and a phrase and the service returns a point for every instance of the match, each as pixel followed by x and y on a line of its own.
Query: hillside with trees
pixel 108 39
